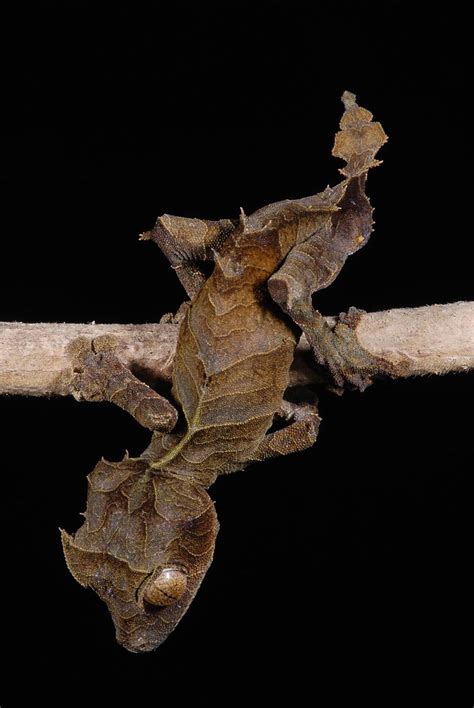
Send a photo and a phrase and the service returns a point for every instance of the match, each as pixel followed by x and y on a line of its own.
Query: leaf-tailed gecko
pixel 150 526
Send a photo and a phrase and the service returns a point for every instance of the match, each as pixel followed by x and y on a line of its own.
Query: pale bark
pixel 423 340
pixel 37 359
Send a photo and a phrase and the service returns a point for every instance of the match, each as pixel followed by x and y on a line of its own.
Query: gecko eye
pixel 167 587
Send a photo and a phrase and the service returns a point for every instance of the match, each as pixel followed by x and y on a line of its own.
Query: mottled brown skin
pixel 150 526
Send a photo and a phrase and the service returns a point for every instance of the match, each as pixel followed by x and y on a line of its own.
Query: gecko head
pixel 144 548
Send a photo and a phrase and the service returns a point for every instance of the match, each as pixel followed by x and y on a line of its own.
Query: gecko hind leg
pixel 101 376
pixel 188 244
pixel 300 433
pixel 315 262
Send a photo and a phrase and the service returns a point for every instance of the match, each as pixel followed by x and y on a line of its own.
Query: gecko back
pixel 232 362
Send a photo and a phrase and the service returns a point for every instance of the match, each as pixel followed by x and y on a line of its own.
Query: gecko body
pixel 150 526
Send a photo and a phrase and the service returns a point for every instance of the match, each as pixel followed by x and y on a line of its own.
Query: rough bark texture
pixel 36 359
pixel 423 340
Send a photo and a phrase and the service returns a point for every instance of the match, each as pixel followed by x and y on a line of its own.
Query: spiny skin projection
pixel 150 526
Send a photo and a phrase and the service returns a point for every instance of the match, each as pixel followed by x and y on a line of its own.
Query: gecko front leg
pixel 99 375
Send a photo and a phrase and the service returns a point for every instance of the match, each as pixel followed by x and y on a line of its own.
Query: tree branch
pixel 37 359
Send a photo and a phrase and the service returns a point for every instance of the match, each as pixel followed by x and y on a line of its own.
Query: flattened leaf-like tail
pixel 144 548
pixel 359 139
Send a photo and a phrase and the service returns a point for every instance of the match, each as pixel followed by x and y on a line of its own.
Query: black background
pixel 345 563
